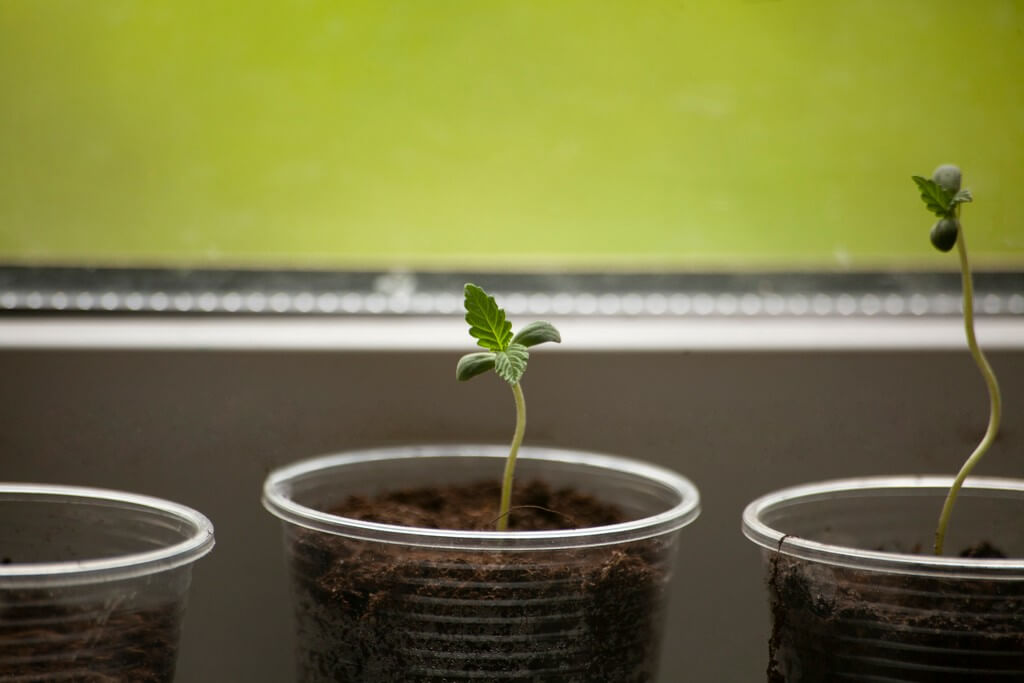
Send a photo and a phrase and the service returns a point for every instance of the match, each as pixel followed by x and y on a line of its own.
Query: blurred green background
pixel 510 134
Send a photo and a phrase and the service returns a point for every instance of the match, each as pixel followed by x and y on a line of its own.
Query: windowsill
pixel 440 333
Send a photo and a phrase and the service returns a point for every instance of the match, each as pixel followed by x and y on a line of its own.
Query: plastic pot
pixel 856 593
pixel 379 602
pixel 93 583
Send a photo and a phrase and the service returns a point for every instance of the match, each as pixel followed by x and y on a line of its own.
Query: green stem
pixel 510 463
pixel 995 400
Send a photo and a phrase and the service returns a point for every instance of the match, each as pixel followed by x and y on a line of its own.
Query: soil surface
pixel 86 643
pixel 381 613
pixel 536 507
pixel 834 623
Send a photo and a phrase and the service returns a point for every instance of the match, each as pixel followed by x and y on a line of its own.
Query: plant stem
pixel 995 401
pixel 510 463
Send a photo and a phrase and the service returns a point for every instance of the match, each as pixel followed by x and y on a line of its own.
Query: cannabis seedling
pixel 943 197
pixel 506 355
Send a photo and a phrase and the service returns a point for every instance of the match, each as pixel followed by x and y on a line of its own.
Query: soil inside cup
pixel 85 643
pixel 834 622
pixel 380 613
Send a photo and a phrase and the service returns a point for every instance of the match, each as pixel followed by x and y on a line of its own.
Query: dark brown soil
pixel 379 613
pixel 474 507
pixel 834 623
pixel 87 643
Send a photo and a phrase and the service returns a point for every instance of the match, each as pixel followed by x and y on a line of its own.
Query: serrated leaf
pixel 962 197
pixel 473 364
pixel 510 364
pixel 487 323
pixel 935 197
pixel 537 333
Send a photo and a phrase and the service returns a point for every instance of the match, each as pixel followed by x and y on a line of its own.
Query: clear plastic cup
pixel 857 595
pixel 93 583
pixel 379 602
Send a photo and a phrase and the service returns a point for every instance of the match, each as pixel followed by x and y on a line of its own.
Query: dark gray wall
pixel 203 428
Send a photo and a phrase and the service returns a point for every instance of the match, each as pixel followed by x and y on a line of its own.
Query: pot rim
pixel 892 562
pixel 277 488
pixel 198 542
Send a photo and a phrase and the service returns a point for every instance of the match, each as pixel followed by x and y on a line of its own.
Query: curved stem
pixel 510 463
pixel 995 400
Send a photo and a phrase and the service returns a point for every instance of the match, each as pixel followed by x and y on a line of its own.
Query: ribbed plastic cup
pixel 380 602
pixel 856 593
pixel 93 583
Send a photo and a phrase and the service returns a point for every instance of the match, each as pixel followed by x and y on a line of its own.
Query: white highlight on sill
pixel 771 333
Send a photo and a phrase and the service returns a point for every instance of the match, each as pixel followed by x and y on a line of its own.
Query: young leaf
pixel 537 333
pixel 962 196
pixel 935 198
pixel 510 364
pixel 473 364
pixel 487 323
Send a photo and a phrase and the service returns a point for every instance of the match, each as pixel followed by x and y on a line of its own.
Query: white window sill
pixel 448 333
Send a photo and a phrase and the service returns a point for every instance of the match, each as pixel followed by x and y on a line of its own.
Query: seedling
pixel 943 197
pixel 506 355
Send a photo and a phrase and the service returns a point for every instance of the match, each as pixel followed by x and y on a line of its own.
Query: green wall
pixel 508 134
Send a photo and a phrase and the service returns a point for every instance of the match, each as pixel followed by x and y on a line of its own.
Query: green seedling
pixel 943 197
pixel 507 355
